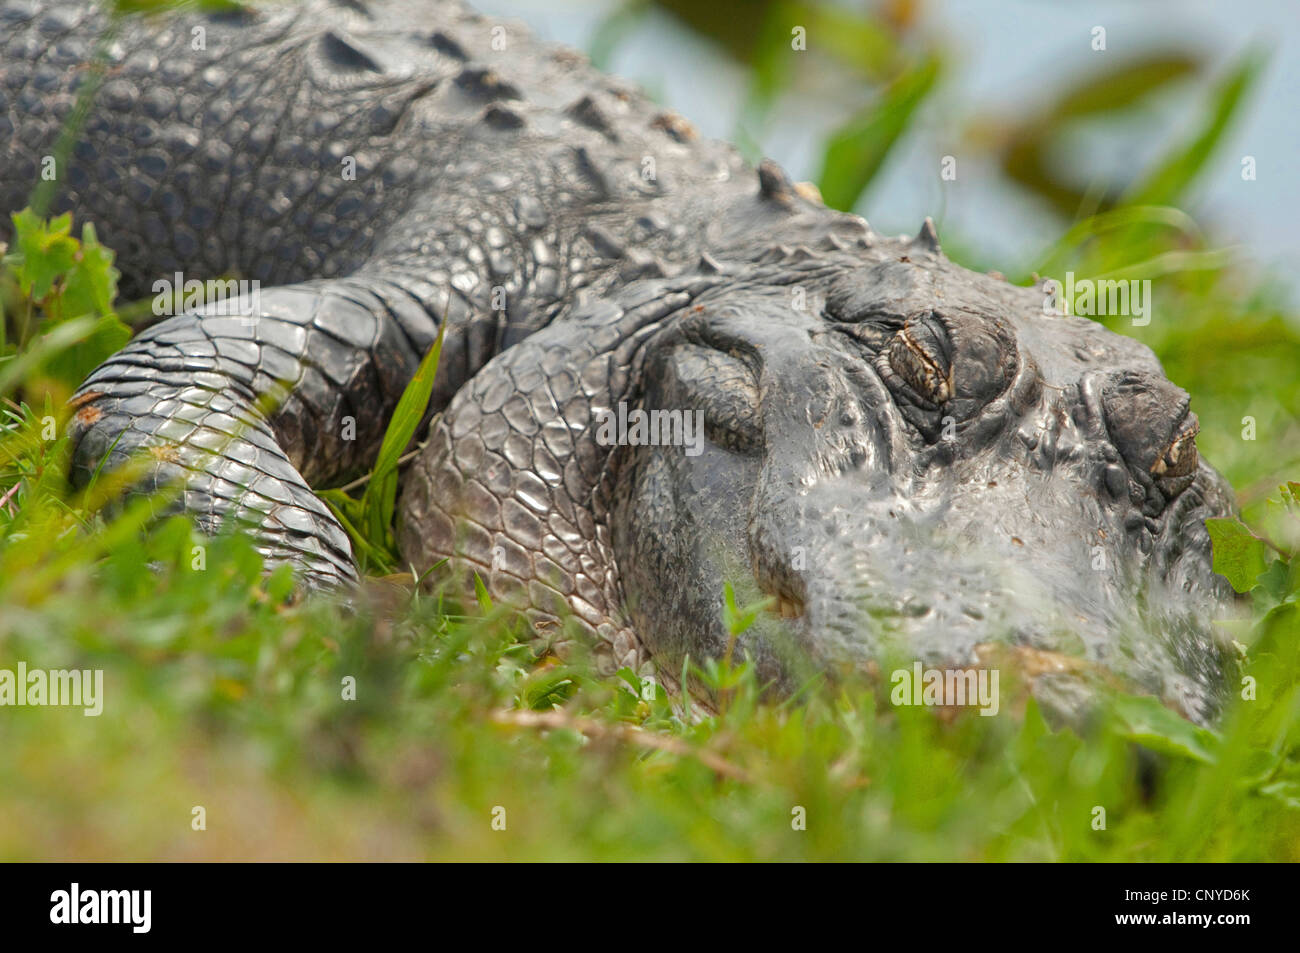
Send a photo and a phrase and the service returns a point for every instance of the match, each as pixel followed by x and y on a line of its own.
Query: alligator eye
pixel 1175 469
pixel 919 354
pixel 1148 420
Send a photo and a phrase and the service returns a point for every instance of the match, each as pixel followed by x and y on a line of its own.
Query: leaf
pixel 72 365
pixel 380 496
pixel 481 593
pixel 44 251
pixel 1120 87
pixel 860 42
pixel 1286 792
pixel 1239 555
pixel 1276 581
pixel 61 338
pixel 737 619
pixel 856 151
pixel 1170 178
pixel 1027 149
pixel 91 284
pixel 1292 491
pixel 613 29
pixel 1124 220
pixel 630 677
pixel 347 510
pixel 1148 722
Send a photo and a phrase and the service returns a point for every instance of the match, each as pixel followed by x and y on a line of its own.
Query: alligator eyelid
pixel 936 378
pixel 736 354
pixel 943 331
pixel 914 345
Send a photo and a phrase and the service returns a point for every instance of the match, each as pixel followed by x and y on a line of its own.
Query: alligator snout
pixel 913 482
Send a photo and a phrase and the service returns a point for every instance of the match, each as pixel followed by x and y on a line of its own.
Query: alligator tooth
pixel 788 608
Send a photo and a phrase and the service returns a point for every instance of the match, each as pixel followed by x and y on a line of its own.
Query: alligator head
pixel 916 463
pixel 910 460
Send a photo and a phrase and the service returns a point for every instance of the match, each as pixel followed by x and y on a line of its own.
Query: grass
pixel 393 725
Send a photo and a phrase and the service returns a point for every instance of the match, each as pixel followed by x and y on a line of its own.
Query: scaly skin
pixel 901 452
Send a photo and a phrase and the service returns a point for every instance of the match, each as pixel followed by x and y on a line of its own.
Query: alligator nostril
pixel 1145 417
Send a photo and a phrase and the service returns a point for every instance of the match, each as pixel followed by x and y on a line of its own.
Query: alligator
pixel 663 370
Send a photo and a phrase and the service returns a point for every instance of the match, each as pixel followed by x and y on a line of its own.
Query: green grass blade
pixel 857 149
pixel 380 496
pixel 1170 178
pixel 64 336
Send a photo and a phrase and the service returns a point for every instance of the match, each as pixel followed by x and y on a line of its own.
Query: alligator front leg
pixel 513 484
pixel 245 413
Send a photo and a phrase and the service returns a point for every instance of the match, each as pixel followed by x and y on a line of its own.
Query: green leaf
pixel 613 29
pixel 1169 179
pixel 1291 491
pixel 1128 221
pixel 1286 792
pixel 1239 555
pixel 1028 147
pixel 380 497
pixel 1145 720
pixel 1120 87
pixel 63 337
pixel 481 593
pixel 738 619
pixel 347 510
pixel 45 251
pixel 630 677
pixel 863 43
pixel 1277 581
pixel 856 151
pixel 92 281
pixel 73 364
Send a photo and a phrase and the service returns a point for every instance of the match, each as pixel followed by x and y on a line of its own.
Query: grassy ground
pixel 395 727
